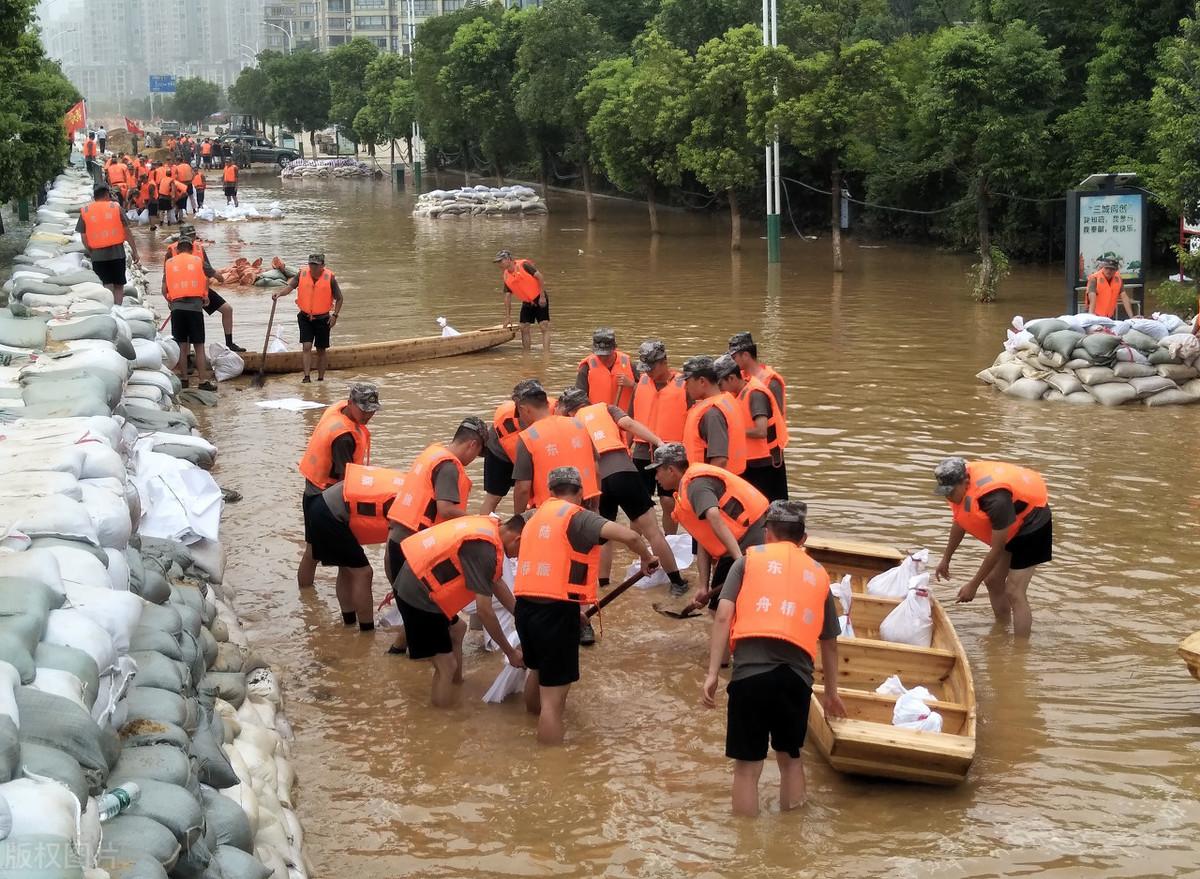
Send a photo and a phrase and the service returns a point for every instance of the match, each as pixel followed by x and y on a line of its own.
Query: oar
pixel 604 602
pixel 260 377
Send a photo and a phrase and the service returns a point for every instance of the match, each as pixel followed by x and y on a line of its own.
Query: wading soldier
pixel 765 429
pixel 714 432
pixel 522 279
pixel 319 300
pixel 660 402
pixel 607 375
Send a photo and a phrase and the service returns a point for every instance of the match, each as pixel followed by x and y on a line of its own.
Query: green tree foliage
pixel 387 114
pixel 1175 122
pixel 251 93
pixel 623 20
pixel 299 91
pixel 691 23
pixel 196 99
pixel 347 66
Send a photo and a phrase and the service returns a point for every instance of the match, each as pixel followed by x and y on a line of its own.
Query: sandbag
pixel 134 864
pixel 149 354
pixel 92 326
pixel 19 596
pixel 1006 373
pixel 14 650
pixel 63 683
pixel 42 483
pixel 54 516
pixel 1096 375
pixel 227 819
pixel 1044 327
pixel 160 762
pixel 162 617
pixel 136 833
pixel 144 733
pixel 156 671
pixel 1112 393
pixel 1027 389
pixel 163 706
pixel 38 565
pixel 1065 383
pixel 1132 370
pixel 893 583
pixel 1141 341
pixel 72 660
pixel 110 515
pixel 1100 347
pixel 1177 372
pixel 1172 397
pixel 70 279
pixel 228 686
pixel 1192 387
pixel 1151 385
pixel 39 807
pixel 81 563
pixel 56 722
pixel 22 332
pixel 147 638
pixel 237 864
pixel 67 391
pixel 37 856
pixel 1162 356
pixel 117 612
pixel 171 806
pixel 1062 342
pixel 1051 360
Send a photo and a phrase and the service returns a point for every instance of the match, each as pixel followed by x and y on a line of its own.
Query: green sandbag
pixel 133 864
pixel 92 326
pixel 144 733
pixel 79 408
pixel 17 332
pixel 10 750
pixel 27 628
pixel 52 763
pixel 1062 342
pixel 160 673
pixel 22 286
pixel 18 596
pixel 67 392
pixel 192 655
pixel 39 856
pixel 156 420
pixel 154 587
pixel 208 645
pixel 197 455
pixel 1161 356
pixel 57 722
pixel 1100 347
pixel 226 817
pixel 15 651
pixel 237 864
pixel 171 806
pixel 1140 341
pixel 212 764
pixel 69 659
pixel 148 703
pixel 1043 327
pixel 147 638
pixel 230 686
pixel 192 621
pixel 135 833
pixel 160 762
pixel 1172 397
pixel 162 617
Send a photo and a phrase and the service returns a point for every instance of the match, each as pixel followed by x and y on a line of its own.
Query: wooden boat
pixel 1190 651
pixel 386 353
pixel 866 742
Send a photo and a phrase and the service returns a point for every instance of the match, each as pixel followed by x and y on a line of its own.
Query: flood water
pixel 1088 756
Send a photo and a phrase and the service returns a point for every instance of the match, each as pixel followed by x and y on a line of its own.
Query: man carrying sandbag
pixel 775 609
pixel 105 231
pixel 1006 507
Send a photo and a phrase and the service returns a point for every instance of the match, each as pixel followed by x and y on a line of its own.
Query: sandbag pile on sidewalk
pixel 121 659
pixel 476 201
pixel 324 169
pixel 1086 359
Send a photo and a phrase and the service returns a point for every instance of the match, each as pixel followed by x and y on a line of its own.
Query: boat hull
pixel 1190 651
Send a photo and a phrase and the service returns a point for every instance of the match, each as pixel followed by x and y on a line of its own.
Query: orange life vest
pixel 1108 293
pixel 741 505
pixel 159 174
pixel 771 375
pixel 318 457
pixel 178 189
pixel 984 477
pixel 185 277
pixel 558 441
pixel 602 381
pixel 605 434
pixel 368 493
pixel 782 596
pixel 508 428
pixel 230 174
pixel 416 501
pixel 758 448
pixel 206 149
pixel 697 448
pixel 116 173
pixel 433 556
pixel 197 249
pixel 663 410
pixel 315 297
pixel 184 173
pixel 520 283
pixel 90 149
pixel 547 566
pixel 102 225
pixel 198 182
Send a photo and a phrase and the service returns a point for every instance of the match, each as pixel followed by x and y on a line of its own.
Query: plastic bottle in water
pixel 117 800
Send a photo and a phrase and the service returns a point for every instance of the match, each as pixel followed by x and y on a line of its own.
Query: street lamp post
pixel 416 126
pixel 770 26
pixel 287 45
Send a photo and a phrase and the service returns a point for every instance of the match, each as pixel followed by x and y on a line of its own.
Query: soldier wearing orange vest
pixel 557 577
pixel 105 232
pixel 319 300
pixel 91 152
pixel 714 431
pixel 340 438
pixel 185 286
pixel 607 375
pixel 775 612
pixel 1104 287
pixel 229 177
pixel 339 522
pixel 743 349
pixel 216 303
pixel 621 487
pixel 660 402
pixel 447 567
pixel 766 430
pixel 522 279
pixel 547 442
pixel 1007 507
pixel 723 512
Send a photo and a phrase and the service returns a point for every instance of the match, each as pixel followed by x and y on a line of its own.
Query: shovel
pixel 681 612
pixel 604 602
pixel 260 378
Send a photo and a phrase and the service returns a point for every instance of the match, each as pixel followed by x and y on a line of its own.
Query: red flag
pixel 75 119
pixel 132 127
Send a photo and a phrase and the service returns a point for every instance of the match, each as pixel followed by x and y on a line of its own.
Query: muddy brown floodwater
pixel 1088 750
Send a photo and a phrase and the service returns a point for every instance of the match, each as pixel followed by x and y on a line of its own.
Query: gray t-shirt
pixel 478 560
pixel 714 430
pixel 493 444
pixel 445 488
pixel 704 493
pixel 1002 512
pixel 335 499
pixel 753 656
pixel 775 386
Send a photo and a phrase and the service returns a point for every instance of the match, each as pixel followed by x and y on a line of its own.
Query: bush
pixel 984 289
pixel 1176 298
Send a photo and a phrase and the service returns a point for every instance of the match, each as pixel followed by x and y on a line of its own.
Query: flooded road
pixel 1088 756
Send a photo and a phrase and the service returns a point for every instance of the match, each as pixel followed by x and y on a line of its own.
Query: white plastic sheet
pixel 290 404
pixel 180 501
pixel 681 548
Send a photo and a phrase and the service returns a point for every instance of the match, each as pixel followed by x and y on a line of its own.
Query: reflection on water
pixel 1087 739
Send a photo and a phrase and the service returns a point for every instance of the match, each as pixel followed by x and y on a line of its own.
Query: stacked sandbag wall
pixel 325 169
pixel 479 201
pixel 121 659
pixel 1087 359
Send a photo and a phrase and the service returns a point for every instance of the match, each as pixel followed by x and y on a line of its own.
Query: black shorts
pixel 152 207
pixel 1034 548
pixel 720 570
pixel 769 706
pixel 428 633
pixel 200 197
pixel 649 481
pixel 164 203
pixel 624 491
pixel 771 481
pixel 314 329
pixel 305 501
pixel 532 313
pixel 230 190
pixel 110 271
pixel 181 203
pixel 187 326
pixel 497 473
pixel 332 542
pixel 215 301
pixel 549 633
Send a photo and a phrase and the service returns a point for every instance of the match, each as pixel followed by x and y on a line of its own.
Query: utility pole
pixel 770 23
pixel 416 126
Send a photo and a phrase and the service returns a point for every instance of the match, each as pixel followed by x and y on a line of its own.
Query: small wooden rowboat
pixel 866 742
pixel 1190 651
pixel 387 353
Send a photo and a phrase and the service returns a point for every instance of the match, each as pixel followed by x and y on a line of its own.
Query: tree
pixel 719 149
pixel 1174 175
pixel 691 23
pixel 638 116
pixel 196 99
pixel 623 20
pixel 834 91
pixel 251 93
pixel 562 42
pixel 984 108
pixel 386 114
pixel 346 66
pixel 299 92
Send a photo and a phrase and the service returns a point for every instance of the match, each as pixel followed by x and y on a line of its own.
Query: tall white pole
pixel 770 39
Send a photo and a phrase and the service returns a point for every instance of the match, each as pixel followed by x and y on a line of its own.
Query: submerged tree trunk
pixel 588 199
pixel 836 186
pixel 735 220
pixel 408 142
pixel 652 207
pixel 545 179
pixel 986 291
pixel 466 160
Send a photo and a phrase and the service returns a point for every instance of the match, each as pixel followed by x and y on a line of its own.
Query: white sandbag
pixel 155 378
pixel 61 683
pixel 53 516
pixel 1171 322
pixel 1064 382
pixel 78 564
pixel 149 354
pixel 1153 328
pixel 893 583
pixel 681 548
pixel 1027 389
pixel 71 627
pixel 1113 393
pixel 65 431
pixel 912 620
pixel 40 807
pixel 118 568
pixel 109 514
pixel 1131 355
pixel 843 591
pixel 38 565
pixel 911 712
pixel 18 455
pixel 37 483
pixel 1133 370
pixel 225 364
pixel 117 612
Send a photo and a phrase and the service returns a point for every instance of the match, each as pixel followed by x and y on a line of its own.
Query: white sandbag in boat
pixel 843 591
pixel 911 712
pixel 912 620
pixel 894 582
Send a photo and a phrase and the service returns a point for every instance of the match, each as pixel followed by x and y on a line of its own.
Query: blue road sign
pixel 162 84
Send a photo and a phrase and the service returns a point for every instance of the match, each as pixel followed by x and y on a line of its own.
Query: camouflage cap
pixel 561 476
pixel 528 389
pixel 739 342
pixel 669 453
pixel 652 351
pixel 572 400
pixel 700 366
pixel 475 425
pixel 502 255
pixel 604 341
pixel 365 396
pixel 726 366
pixel 787 511
pixel 949 474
